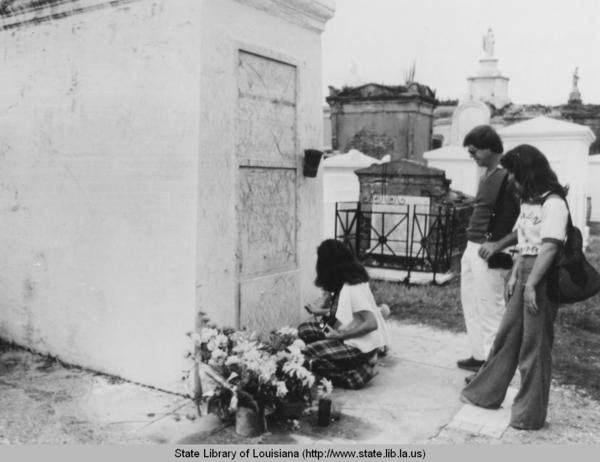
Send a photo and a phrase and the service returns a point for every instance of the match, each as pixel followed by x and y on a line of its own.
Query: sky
pixel 538 43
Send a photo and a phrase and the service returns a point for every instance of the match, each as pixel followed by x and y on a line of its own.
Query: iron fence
pixel 403 237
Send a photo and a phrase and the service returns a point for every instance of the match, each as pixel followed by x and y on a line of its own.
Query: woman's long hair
pixel 336 266
pixel 532 171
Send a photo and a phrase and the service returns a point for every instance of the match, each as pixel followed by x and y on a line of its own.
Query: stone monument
pixel 488 84
pixel 382 119
pixel 575 96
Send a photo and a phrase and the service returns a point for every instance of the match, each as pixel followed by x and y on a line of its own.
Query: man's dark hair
pixel 532 171
pixel 484 137
pixel 336 266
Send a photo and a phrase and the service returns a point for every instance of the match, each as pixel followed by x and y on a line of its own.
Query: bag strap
pixel 570 227
pixel 488 234
pixel 329 318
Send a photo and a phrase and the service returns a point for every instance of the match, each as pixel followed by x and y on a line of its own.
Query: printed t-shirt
pixel 538 223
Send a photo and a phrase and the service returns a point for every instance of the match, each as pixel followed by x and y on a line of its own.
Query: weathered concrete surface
pixel 129 129
pixel 414 399
pixel 44 402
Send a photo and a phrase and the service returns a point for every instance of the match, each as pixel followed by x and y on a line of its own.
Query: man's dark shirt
pixel 485 201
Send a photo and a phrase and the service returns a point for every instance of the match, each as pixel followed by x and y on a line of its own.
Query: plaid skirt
pixel 344 365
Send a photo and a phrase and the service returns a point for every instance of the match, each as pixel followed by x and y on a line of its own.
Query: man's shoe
pixel 469 378
pixel 470 364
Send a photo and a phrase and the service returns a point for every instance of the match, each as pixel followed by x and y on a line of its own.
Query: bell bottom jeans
pixel 524 341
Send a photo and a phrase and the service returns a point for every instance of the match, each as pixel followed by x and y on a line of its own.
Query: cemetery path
pixel 414 399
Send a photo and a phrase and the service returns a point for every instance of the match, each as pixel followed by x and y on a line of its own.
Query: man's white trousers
pixel 482 297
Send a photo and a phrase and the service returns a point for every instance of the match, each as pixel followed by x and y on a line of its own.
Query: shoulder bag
pixel 577 279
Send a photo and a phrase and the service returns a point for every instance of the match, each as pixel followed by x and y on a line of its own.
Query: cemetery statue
pixel 575 80
pixel 488 43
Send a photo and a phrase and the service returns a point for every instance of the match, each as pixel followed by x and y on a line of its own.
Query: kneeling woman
pixel 344 346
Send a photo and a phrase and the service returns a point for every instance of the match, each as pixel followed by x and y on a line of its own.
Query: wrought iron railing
pixel 403 237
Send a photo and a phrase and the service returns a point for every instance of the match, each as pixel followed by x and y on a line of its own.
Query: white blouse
pixel 539 223
pixel 355 298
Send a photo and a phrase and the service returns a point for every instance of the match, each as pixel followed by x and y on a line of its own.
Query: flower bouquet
pixel 291 372
pixel 251 374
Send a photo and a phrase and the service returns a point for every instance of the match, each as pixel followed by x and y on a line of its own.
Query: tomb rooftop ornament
pixel 575 96
pixel 488 43
pixel 488 85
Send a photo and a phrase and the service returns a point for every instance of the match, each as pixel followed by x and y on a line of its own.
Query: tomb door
pixel 266 138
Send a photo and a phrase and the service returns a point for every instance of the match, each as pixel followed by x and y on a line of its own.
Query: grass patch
pixel 576 359
pixel 576 355
pixel 437 306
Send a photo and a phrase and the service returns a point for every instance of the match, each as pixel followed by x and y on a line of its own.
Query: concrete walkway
pixel 414 399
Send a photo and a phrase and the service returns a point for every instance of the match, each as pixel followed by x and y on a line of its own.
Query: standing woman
pixel 342 349
pixel 526 333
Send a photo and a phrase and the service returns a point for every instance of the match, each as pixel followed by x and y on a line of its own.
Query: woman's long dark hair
pixel 532 171
pixel 336 266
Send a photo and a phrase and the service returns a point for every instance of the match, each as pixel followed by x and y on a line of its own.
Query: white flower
pixel 286 330
pixel 196 338
pixel 296 370
pixel 208 333
pixel 282 355
pixel 298 345
pixel 217 358
pixel 251 356
pixel 325 388
pixel 261 364
pixel 208 336
pixel 267 370
pixel 244 346
pixel 297 357
pixel 239 336
pixel 221 340
pixel 281 389
pixel 296 354
pixel 232 360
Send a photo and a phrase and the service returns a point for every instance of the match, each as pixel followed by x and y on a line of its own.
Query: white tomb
pixel 460 168
pixel 566 145
pixel 454 158
pixel 467 116
pixel 151 166
pixel 593 173
pixel 340 183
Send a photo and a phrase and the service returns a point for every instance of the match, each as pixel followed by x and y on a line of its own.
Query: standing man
pixel 482 287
